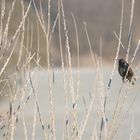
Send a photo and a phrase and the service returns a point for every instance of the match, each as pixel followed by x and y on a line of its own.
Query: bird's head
pixel 121 61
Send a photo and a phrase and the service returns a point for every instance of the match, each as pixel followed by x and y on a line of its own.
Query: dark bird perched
pixel 125 71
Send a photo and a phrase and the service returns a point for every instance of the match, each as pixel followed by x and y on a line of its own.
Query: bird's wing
pixel 121 71
pixel 126 65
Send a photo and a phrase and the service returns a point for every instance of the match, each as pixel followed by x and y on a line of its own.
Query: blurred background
pixel 102 18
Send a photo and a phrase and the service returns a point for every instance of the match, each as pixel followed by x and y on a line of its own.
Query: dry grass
pixel 22 88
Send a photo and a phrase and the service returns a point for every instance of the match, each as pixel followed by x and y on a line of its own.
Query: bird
pixel 126 71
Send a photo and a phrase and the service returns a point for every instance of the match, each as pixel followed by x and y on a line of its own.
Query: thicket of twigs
pixel 19 85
